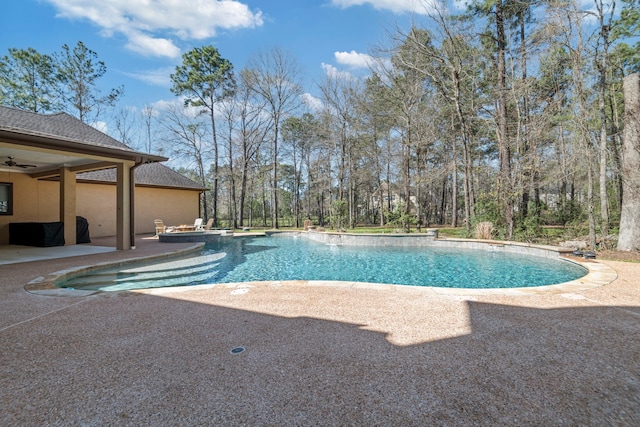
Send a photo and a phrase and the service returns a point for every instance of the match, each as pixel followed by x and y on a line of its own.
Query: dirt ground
pixel 626 256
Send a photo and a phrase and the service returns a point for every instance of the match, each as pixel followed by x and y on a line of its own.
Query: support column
pixel 68 205
pixel 123 206
pixel 132 207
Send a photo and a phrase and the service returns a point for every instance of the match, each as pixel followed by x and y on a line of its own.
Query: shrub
pixel 339 215
pixel 400 219
pixel 484 230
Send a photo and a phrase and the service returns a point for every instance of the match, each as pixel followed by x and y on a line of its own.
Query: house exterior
pixel 54 168
pixel 160 192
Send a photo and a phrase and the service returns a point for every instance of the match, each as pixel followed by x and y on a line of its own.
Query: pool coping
pixel 46 285
pixel 598 274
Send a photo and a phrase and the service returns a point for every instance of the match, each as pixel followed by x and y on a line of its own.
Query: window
pixel 6 198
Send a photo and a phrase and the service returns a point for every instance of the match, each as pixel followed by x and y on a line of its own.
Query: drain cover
pixel 239 291
pixel 237 350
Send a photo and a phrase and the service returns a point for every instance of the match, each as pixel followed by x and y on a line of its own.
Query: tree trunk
pixel 443 203
pixel 309 182
pixel 351 195
pixel 388 177
pixel 504 152
pixel 563 173
pixel 274 188
pixel 406 177
pixel 251 201
pixel 528 152
pixel 214 196
pixel 232 183
pixel 343 161
pixel 604 201
pixel 629 238
pixel 454 184
pixel 590 203
pixel 264 205
pixel 419 174
pixel 379 178
pixel 466 158
pixel 243 192
pixel 616 147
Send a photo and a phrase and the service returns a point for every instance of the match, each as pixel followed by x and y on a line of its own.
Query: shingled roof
pixel 150 174
pixel 60 126
pixel 68 130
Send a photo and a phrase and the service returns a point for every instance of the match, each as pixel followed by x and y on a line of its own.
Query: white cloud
pixel 165 105
pixel 354 59
pixel 151 26
pixel 175 105
pixel 396 6
pixel 101 126
pixel 158 77
pixel 148 110
pixel 333 72
pixel 151 46
pixel 314 104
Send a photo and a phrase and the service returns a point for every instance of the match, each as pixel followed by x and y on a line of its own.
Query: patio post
pixel 123 205
pixel 68 205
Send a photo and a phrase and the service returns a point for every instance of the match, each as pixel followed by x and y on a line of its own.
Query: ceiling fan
pixel 12 163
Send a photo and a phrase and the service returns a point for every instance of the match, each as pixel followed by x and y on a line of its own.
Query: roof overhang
pixel 48 154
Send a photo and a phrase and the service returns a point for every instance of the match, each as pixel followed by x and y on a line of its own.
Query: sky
pixel 141 41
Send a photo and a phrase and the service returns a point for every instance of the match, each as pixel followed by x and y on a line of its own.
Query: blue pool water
pixel 289 258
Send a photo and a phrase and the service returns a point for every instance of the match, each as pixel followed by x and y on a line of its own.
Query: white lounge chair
pixel 160 227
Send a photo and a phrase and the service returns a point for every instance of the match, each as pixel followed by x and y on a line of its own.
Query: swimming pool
pixel 290 258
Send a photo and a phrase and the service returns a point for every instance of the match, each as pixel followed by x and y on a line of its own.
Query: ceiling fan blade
pixel 11 163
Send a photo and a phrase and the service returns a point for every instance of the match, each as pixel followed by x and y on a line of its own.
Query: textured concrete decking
pixel 316 354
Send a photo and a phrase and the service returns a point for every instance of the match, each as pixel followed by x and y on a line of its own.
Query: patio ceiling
pixel 43 161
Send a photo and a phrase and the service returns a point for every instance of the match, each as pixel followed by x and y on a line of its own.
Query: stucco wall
pixel 97 203
pixel 174 207
pixel 39 201
pixel 33 201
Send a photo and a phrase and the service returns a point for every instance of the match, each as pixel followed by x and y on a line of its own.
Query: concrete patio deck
pixel 320 354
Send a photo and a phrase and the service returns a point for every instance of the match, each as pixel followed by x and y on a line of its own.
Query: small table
pixel 184 228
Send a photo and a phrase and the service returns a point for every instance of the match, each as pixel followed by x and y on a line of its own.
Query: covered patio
pixel 55 148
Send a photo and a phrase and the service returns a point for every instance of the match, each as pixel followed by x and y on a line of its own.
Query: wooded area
pixel 510 113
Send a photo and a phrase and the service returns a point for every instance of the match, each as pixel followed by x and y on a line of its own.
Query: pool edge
pixel 46 285
pixel 598 274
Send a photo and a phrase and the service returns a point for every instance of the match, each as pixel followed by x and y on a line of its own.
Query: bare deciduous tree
pixel 274 75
